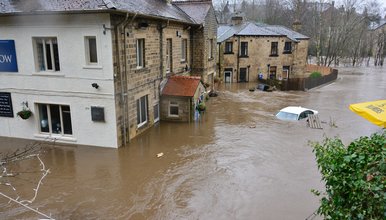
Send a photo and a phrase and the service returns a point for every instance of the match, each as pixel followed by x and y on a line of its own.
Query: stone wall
pixel 132 83
pixel 184 108
pixel 203 65
pixel 259 57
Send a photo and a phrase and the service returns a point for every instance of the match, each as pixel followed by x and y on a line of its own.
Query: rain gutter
pixel 123 98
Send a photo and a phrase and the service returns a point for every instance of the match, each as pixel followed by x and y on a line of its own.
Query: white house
pixel 64 74
pixel 90 71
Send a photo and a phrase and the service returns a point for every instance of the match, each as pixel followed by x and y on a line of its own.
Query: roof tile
pixel 185 86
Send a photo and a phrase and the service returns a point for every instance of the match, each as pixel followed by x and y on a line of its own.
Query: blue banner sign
pixel 8 62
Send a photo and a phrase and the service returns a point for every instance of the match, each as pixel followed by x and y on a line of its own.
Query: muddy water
pixel 238 162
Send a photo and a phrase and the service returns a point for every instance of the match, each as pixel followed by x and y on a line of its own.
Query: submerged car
pixel 294 113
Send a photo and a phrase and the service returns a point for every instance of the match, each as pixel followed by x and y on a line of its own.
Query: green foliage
pixel 201 107
pixel 315 75
pixel 354 177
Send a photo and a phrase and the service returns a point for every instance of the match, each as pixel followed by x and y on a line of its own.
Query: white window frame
pixel 140 51
pixel 169 55
pixel 156 108
pixel 49 120
pixel 139 105
pixel 44 41
pixel 184 49
pixel 87 50
pixel 173 104
pixel 244 49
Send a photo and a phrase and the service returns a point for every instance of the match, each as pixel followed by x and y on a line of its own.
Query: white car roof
pixel 295 109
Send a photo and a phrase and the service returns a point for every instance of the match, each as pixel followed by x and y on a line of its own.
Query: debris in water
pixel 252 126
pixel 160 154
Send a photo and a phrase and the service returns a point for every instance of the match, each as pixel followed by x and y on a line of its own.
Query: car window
pixel 286 116
pixel 305 114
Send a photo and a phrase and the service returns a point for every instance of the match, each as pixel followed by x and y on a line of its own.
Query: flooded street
pixel 238 162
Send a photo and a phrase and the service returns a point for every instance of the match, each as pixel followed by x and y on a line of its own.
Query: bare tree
pixel 9 174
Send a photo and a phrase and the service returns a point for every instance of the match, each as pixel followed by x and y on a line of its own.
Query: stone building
pixel 249 50
pixel 181 97
pixel 92 71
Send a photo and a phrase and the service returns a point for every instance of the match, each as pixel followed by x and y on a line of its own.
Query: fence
pixel 303 83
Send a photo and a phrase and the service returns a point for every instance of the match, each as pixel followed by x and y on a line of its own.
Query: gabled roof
pixel 291 34
pixel 376 26
pixel 156 8
pixel 185 86
pixel 252 29
pixel 196 10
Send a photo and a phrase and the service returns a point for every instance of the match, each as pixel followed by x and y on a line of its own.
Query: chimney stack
pixel 297 26
pixel 237 20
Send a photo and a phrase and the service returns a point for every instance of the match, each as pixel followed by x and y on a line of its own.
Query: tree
pixel 9 165
pixel 354 176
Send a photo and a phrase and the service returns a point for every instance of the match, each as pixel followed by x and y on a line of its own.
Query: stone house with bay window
pixel 92 72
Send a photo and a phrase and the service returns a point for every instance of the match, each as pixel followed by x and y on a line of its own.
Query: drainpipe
pixel 125 109
pixel 238 58
pixel 118 54
pixel 161 43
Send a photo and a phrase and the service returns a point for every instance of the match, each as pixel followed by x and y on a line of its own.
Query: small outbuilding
pixel 182 97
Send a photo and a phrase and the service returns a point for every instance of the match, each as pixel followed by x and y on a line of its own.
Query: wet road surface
pixel 238 162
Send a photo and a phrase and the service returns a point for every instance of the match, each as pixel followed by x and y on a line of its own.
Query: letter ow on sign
pixel 8 61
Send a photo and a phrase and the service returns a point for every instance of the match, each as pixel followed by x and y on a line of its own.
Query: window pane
pixel 66 114
pixel 92 50
pixel 173 110
pixel 48 56
pixel 138 112
pixel 55 119
pixel 140 52
pixel 43 117
pixel 40 56
pixel 183 49
pixel 156 112
pixel 56 56
pixel 143 109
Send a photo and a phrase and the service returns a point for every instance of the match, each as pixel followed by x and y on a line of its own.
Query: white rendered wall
pixel 69 86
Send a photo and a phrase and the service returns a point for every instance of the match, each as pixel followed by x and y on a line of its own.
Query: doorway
pixel 228 76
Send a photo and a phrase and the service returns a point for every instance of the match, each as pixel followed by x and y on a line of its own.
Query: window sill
pixel 183 61
pixel 287 52
pixel 92 67
pixel 229 53
pixel 45 73
pixel 173 116
pixel 243 56
pixel 142 125
pixel 274 55
pixel 55 137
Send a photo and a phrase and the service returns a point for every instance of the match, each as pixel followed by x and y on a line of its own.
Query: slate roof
pixel 197 11
pixel 185 86
pixel 252 29
pixel 157 8
pixel 375 26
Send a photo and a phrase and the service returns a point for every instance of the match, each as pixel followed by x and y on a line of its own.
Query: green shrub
pixel 315 74
pixel 354 177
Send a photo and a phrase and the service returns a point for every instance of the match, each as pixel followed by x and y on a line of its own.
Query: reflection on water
pixel 238 162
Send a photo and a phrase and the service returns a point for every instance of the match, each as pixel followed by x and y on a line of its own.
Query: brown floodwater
pixel 238 162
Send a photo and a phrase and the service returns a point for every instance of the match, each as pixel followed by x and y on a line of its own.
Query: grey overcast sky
pixel 382 9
